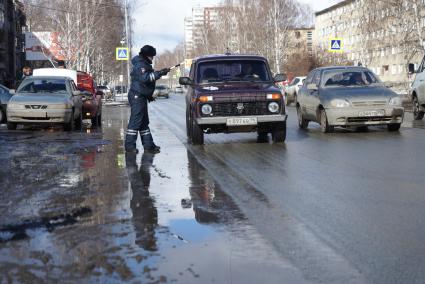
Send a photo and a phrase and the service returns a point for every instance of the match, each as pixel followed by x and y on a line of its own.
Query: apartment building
pixel 370 38
pixel 300 44
pixel 201 19
pixel 12 56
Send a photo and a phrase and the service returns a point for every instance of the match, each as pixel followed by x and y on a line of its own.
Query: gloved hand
pixel 151 98
pixel 164 71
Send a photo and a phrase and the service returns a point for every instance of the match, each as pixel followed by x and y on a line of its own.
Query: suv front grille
pixel 240 109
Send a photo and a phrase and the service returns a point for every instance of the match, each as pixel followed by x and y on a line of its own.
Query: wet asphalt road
pixel 347 207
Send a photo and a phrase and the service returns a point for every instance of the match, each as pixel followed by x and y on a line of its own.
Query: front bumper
pixel 39 116
pixel 223 120
pixel 351 117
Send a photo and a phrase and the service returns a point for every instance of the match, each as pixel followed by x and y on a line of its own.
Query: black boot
pixel 153 149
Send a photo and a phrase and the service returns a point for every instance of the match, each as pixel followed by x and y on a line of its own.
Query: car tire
pixel 262 137
pixel 197 134
pixel 79 122
pixel 324 124
pixel 99 119
pixel 287 102
pixel 279 135
pixel 417 113
pixel 394 127
pixel 94 121
pixel 2 116
pixel 70 126
pixel 12 125
pixel 302 122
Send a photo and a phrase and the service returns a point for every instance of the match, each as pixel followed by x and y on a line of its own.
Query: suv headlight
pixel 273 107
pixel 396 101
pixel 206 109
pixel 339 103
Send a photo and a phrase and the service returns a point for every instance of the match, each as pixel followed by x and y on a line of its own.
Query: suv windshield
pixel 348 78
pixel 43 86
pixel 232 70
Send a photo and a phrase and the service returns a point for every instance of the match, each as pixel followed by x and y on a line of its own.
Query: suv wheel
pixel 12 125
pixel 394 127
pixel 417 113
pixel 279 134
pixel 262 137
pixel 302 123
pixel 196 133
pixel 324 125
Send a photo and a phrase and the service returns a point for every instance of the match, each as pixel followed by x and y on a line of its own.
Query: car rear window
pixel 43 86
pixel 160 87
pixel 232 70
pixel 345 78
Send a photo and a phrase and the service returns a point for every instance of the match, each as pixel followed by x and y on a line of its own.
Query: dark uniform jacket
pixel 143 77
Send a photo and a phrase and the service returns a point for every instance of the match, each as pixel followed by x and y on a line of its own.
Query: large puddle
pixel 74 207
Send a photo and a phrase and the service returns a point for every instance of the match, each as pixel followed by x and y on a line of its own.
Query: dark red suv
pixel 233 93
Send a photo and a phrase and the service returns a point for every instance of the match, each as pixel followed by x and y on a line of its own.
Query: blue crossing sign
pixel 336 45
pixel 121 53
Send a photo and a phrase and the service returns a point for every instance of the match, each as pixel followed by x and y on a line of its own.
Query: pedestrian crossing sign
pixel 121 53
pixel 336 45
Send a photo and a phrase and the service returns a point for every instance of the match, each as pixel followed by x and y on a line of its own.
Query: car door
pixel 305 93
pixel 419 83
pixel 315 95
pixel 78 102
pixel 311 95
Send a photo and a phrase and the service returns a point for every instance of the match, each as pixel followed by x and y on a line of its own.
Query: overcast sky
pixel 161 23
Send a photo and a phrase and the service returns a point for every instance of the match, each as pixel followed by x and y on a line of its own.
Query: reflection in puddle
pixel 153 218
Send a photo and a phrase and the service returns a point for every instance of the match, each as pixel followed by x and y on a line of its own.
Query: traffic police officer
pixel 143 79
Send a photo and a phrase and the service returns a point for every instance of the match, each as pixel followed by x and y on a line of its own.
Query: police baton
pixel 175 66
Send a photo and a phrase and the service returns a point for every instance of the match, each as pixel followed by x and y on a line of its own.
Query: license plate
pixel 38 114
pixel 372 113
pixel 237 121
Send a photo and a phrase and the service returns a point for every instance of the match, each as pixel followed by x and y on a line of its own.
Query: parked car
pixel 92 99
pixel 5 96
pixel 107 93
pixel 46 100
pixel 162 91
pixel 417 91
pixel 233 93
pixel 120 94
pixel 292 89
pixel 178 89
pixel 347 97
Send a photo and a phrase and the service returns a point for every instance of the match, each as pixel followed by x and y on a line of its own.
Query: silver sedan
pixel 347 97
pixel 46 100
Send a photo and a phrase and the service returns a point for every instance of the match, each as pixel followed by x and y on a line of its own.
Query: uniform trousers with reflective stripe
pixel 139 122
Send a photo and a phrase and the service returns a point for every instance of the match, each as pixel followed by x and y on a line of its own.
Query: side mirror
pixel 312 87
pixel 412 68
pixel 280 77
pixel 185 81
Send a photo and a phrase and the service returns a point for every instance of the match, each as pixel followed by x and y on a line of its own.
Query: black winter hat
pixel 147 50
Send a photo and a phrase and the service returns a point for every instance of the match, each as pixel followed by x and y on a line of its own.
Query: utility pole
pixel 127 42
